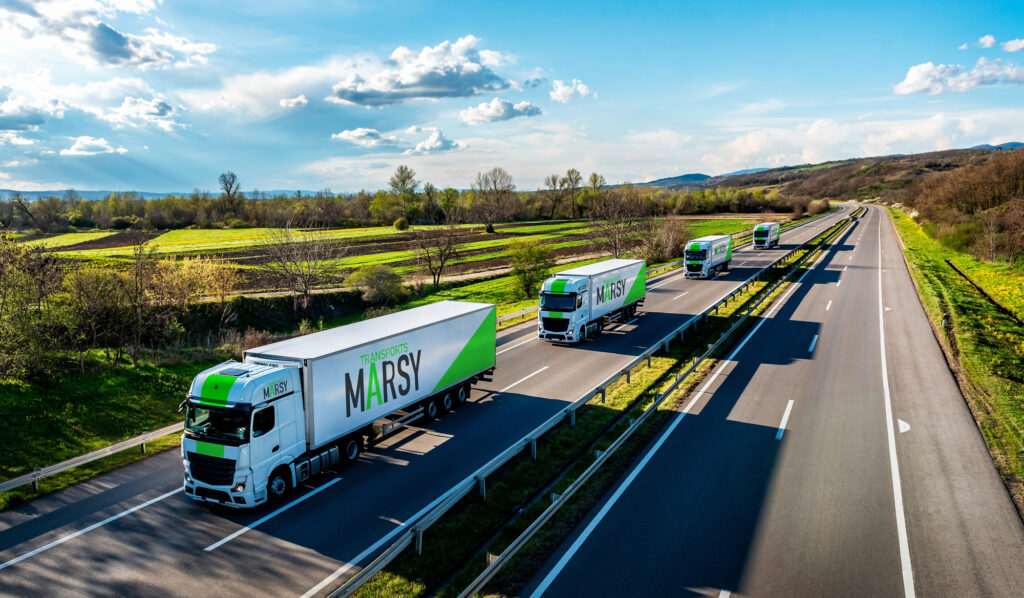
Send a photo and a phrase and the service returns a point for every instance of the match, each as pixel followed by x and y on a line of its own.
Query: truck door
pixel 266 441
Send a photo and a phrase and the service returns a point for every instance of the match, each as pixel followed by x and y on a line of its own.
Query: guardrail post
pixel 481 484
pixel 143 445
pixel 572 418
pixel 602 395
pixel 35 478
pixel 418 534
pixel 533 449
pixel 628 372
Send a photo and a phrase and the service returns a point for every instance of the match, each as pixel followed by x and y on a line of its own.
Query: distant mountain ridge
pixel 1002 146
pixel 33 195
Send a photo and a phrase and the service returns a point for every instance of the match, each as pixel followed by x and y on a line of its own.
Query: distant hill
pixel 693 179
pixel 1006 146
pixel 747 171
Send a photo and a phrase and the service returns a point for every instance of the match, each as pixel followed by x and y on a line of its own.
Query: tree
pixel 531 264
pixel 139 295
pixel 403 186
pixel 571 182
pixel 230 186
pixel 436 247
pixel 620 217
pixel 493 193
pixel 553 192
pixel 380 284
pixel 97 311
pixel 302 259
pixel 596 183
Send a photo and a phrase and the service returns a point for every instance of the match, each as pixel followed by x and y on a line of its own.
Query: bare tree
pixel 596 183
pixel 230 186
pixel 554 192
pixel 21 204
pixel 438 246
pixel 989 235
pixel 303 259
pixel 139 296
pixel 620 218
pixel 571 183
pixel 493 193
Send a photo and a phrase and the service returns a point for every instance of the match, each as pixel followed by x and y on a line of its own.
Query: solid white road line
pixel 266 518
pixel 725 594
pixel 828 306
pixel 665 282
pixel 524 379
pixel 680 295
pixel 532 338
pixel 64 539
pixel 813 340
pixel 897 489
pixel 785 418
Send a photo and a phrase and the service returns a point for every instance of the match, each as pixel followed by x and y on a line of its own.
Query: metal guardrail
pixel 44 472
pixel 478 479
pixel 495 565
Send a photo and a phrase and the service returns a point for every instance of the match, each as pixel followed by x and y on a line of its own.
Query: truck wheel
pixel 431 409
pixel 447 401
pixel 278 484
pixel 463 394
pixel 350 448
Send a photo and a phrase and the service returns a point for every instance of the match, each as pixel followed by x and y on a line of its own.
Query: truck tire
pixel 448 400
pixel 278 484
pixel 463 394
pixel 431 408
pixel 351 447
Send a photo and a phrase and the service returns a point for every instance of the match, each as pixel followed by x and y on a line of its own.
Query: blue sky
pixel 164 96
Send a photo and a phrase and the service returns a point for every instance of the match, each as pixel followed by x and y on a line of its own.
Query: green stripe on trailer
pixel 215 390
pixel 639 287
pixel 558 286
pixel 728 255
pixel 476 356
pixel 209 449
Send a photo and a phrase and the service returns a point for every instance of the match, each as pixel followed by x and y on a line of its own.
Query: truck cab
pixel 242 421
pixel 707 256
pixel 564 308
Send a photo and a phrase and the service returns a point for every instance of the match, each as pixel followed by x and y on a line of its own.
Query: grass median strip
pixel 455 548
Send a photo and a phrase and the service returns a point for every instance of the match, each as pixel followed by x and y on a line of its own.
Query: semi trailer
pixel 577 304
pixel 255 429
pixel 766 235
pixel 707 256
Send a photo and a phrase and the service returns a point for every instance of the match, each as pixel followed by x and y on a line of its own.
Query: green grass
pixel 66 240
pixel 51 422
pixel 986 343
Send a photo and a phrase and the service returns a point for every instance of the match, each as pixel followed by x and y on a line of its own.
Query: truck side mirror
pixel 181 405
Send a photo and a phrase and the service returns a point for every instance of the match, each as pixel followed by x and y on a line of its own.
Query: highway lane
pixel 160 549
pixel 733 501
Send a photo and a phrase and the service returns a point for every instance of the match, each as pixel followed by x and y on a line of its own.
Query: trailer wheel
pixel 447 401
pixel 431 409
pixel 463 394
pixel 351 447
pixel 278 484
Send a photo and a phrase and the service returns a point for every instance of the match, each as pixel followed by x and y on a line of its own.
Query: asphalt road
pixel 133 532
pixel 877 484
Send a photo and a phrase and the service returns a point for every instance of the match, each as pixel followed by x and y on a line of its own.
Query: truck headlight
pixel 188 478
pixel 239 487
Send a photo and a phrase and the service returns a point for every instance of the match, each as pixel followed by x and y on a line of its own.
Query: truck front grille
pixel 555 324
pixel 211 470
pixel 694 267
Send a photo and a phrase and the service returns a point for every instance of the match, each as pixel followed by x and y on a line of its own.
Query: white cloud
pixel 90 146
pixel 659 138
pixel 986 41
pixel 295 102
pixel 962 46
pixel 437 142
pixel 14 139
pixel 934 79
pixel 17 163
pixel 366 138
pixel 564 93
pixel 496 110
pixel 1014 45
pixel 447 70
pixel 80 30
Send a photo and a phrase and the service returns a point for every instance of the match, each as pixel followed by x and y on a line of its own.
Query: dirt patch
pixel 123 239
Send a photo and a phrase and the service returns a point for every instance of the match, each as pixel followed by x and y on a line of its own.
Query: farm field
pixel 66 240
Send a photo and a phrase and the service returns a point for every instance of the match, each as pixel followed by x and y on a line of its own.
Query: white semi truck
pixel 576 304
pixel 707 256
pixel 255 429
pixel 766 235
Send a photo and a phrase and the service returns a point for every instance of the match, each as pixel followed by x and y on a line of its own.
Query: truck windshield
pixel 696 255
pixel 558 302
pixel 217 422
pixel 760 234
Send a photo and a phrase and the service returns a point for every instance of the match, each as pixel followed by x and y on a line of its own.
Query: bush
pixel 120 222
pixel 380 284
pixel 237 223
pixel 401 224
pixel 531 263
pixel 663 243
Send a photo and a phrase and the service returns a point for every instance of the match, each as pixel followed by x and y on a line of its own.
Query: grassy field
pixel 987 344
pixel 66 240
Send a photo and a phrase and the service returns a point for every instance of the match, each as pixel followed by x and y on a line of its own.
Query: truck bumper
pixel 561 337
pixel 223 495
